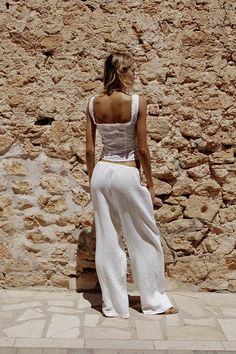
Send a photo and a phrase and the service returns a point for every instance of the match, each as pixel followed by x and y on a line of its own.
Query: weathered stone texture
pixel 52 55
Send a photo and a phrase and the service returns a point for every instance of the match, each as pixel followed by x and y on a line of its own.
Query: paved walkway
pixel 42 321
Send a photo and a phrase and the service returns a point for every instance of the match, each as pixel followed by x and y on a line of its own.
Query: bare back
pixel 115 108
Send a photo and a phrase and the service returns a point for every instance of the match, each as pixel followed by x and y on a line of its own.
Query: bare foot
pixel 170 311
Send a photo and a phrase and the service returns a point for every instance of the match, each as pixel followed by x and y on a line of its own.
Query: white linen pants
pixel 121 203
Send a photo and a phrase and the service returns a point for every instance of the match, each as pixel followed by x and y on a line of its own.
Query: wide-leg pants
pixel 122 205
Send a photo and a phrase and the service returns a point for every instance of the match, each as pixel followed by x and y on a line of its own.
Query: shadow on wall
pixel 86 276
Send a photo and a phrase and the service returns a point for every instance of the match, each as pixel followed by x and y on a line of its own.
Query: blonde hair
pixel 116 64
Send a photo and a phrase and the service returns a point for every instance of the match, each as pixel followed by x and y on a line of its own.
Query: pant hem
pixel 111 315
pixel 155 312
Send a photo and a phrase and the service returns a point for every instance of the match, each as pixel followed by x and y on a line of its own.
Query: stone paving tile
pixel 29 351
pixel 7 342
pixel 230 345
pixel 66 303
pixel 120 351
pixel 217 299
pixel 91 320
pixel 194 333
pixel 119 344
pixel 83 303
pixel 201 324
pixel 229 328
pixel 188 345
pixel 20 305
pixel 179 352
pixel 6 316
pixel 119 323
pixel 8 350
pixel 31 314
pixel 189 304
pixel 148 330
pixel 201 321
pixel 65 310
pixel 49 343
pixel 109 333
pixel 55 351
pixel 228 311
pixel 63 326
pixel 173 320
pixel 80 351
pixel 30 329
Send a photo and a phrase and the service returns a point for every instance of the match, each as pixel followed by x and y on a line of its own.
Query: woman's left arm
pixel 90 143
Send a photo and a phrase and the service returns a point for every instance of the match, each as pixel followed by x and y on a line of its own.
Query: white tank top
pixel 119 139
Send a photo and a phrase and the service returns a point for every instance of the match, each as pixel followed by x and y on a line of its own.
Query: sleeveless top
pixel 118 139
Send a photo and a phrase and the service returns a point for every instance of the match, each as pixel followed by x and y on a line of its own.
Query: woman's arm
pixel 142 147
pixel 90 143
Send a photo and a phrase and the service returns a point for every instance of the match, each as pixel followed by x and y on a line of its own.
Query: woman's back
pixel 115 118
pixel 115 108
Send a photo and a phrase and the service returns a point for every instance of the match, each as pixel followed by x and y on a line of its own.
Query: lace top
pixel 118 139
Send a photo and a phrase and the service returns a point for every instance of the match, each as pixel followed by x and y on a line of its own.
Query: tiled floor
pixel 42 321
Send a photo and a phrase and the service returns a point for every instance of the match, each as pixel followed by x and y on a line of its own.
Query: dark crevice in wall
pixel 48 53
pixel 7 5
pixel 140 41
pixel 44 121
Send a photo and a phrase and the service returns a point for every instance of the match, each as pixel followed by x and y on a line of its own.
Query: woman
pixel 121 203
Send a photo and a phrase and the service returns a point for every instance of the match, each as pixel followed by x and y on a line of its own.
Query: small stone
pixel 227 244
pixel 16 100
pixel 4 251
pixel 202 208
pixel 80 197
pixel 188 160
pixel 22 187
pixel 24 204
pixel 208 188
pixel 158 127
pixel 192 38
pixel 186 269
pixel 166 171
pixel 183 186
pixel 221 157
pixel 52 205
pixel 168 213
pixel 162 188
pixel 212 103
pixel 61 281
pixel 199 171
pixel 15 167
pixel 5 143
pixel 211 245
pixel 229 190
pixel 191 130
pixel 181 200
pixel 227 214
pixel 53 184
pixel 6 209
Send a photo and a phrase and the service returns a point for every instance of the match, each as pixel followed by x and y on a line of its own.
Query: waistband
pixel 131 163
pixel 125 164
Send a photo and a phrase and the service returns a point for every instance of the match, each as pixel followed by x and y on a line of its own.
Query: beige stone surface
pixel 202 207
pixel 148 330
pixel 199 324
pixel 168 213
pixel 229 328
pixel 185 70
pixel 183 185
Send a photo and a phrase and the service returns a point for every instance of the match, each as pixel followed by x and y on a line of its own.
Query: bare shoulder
pixel 142 103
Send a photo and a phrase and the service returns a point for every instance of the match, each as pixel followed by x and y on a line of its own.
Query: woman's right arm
pixel 90 143
pixel 142 147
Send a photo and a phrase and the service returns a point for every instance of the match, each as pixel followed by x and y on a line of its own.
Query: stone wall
pixel 52 58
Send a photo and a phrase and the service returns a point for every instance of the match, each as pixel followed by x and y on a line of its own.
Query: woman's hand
pixel 151 190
